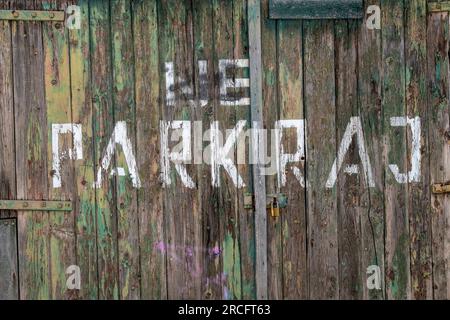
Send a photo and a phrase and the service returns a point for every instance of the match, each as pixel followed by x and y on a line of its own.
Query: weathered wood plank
pixel 438 131
pixel 58 102
pixel 148 115
pixel 418 192
pixel 125 110
pixel 270 115
pixel 369 92
pixel 245 229
pixel 210 269
pixel 181 205
pixel 9 272
pixel 31 156
pixel 294 232
pixel 7 158
pixel 84 194
pixel 320 109
pixel 103 124
pixel 226 116
pixel 351 188
pixel 393 103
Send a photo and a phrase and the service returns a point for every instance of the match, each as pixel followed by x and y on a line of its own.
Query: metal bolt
pixel 58 25
pixel 52 15
pixel 54 82
pixel 15 14
pixel 34 14
pixel 25 204
pixel 60 205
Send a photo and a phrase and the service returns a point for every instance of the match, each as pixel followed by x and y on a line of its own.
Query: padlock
pixel 274 208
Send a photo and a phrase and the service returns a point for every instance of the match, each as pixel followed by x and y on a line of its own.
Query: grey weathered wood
pixel 439 128
pixel 9 282
pixel 316 9
pixel 254 30
pixel 7 158
pixel 320 110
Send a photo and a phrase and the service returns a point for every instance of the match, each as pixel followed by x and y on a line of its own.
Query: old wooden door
pixel 35 95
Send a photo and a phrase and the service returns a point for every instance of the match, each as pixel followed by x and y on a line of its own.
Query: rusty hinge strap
pixel 25 205
pixel 439 6
pixel 32 15
pixel 441 188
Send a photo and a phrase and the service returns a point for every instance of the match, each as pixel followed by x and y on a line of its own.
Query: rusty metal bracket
pixel 280 198
pixel 441 188
pixel 32 15
pixel 25 205
pixel 439 6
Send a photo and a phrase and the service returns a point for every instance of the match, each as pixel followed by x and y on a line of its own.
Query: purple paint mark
pixel 160 246
pixel 215 251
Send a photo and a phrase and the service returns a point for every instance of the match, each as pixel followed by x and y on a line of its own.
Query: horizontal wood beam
pixel 32 15
pixel 313 9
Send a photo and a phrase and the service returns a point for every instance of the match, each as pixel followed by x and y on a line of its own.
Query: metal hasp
pixel 316 9
pixel 32 15
pixel 441 188
pixel 439 6
pixel 25 205
pixel 279 199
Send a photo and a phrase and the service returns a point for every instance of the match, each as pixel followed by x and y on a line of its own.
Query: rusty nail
pixel 25 204
pixel 52 15
pixel 34 14
pixel 57 25
pixel 44 204
pixel 54 82
pixel 15 14
pixel 60 205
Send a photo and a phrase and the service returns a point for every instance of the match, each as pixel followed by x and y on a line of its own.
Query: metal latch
pixel 32 15
pixel 26 205
pixel 441 188
pixel 273 201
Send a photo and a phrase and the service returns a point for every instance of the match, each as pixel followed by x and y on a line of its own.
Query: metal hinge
pixel 279 199
pixel 32 15
pixel 25 205
pixel 439 6
pixel 441 188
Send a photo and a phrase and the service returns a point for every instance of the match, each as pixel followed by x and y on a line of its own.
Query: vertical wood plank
pixel 181 205
pixel 393 103
pixel 270 115
pixel 31 155
pixel 294 232
pixel 211 269
pixel 226 116
pixel 9 273
pixel 58 103
pixel 350 188
pixel 244 219
pixel 125 110
pixel 7 158
pixel 438 131
pixel 369 92
pixel 82 113
pixel 418 192
pixel 148 114
pixel 320 110
pixel 103 124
